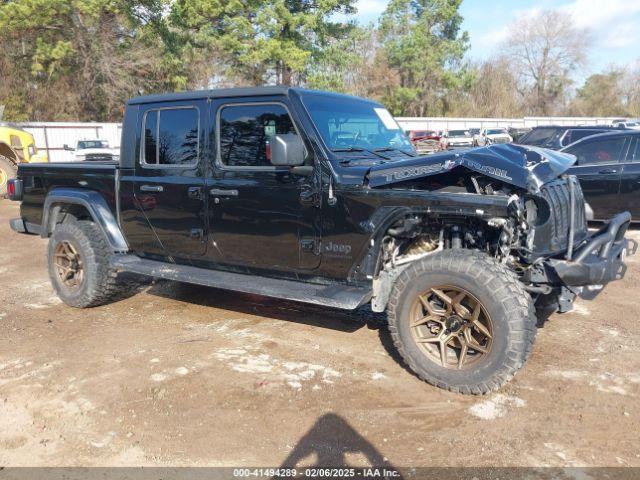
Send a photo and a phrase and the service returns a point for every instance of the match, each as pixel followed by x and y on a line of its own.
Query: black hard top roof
pixel 232 92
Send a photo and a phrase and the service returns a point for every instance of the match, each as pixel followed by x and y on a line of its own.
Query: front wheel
pixel 462 321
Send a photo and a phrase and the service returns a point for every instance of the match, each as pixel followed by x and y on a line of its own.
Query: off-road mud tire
pixel 100 284
pixel 497 288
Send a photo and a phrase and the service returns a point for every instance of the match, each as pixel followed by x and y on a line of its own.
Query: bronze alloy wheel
pixel 451 326
pixel 69 265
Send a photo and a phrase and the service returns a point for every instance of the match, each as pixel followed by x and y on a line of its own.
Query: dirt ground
pixel 182 375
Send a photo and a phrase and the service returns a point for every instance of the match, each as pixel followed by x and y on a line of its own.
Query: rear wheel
pixel 462 321
pixel 8 170
pixel 79 268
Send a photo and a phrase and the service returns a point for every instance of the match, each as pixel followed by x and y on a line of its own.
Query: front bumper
pixel 17 225
pixel 20 226
pixel 599 259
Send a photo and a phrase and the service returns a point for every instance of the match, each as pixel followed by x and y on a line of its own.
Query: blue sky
pixel 614 24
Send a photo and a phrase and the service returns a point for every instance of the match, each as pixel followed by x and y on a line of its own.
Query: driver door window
pixel 603 151
pixel 245 132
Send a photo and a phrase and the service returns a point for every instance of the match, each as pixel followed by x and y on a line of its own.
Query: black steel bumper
pixel 600 258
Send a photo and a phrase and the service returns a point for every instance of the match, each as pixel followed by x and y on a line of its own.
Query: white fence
pixel 447 123
pixel 52 136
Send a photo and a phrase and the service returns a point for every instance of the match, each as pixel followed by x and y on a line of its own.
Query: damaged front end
pixel 542 234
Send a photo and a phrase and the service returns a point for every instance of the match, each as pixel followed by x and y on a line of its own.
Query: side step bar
pixel 336 296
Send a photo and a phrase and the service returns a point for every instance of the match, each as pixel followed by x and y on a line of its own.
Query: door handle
pixel 224 193
pixel 195 193
pixel 151 188
pixel 310 197
pixel 608 170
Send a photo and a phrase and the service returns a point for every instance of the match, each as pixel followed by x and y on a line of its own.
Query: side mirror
pixel 67 148
pixel 287 150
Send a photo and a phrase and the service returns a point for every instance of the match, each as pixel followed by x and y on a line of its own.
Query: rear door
pixel 170 177
pixel 630 179
pixel 598 168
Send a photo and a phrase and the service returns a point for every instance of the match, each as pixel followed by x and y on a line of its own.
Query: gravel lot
pixel 182 375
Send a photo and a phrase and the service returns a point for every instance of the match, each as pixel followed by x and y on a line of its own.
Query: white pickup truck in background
pixel 94 151
pixel 488 136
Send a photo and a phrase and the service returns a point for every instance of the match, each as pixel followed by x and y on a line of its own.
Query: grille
pixel 99 157
pixel 558 196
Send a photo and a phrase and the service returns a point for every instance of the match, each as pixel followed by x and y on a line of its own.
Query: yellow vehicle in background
pixel 16 146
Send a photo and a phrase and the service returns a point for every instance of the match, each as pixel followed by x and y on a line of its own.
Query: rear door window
pixel 171 137
pixel 600 151
pixel 633 154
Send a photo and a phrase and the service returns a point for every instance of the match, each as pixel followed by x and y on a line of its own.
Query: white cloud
pixel 613 24
pixel 369 10
pixel 371 7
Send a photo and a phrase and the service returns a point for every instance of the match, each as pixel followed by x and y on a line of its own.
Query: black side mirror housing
pixel 287 150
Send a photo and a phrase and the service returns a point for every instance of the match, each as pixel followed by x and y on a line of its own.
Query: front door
pixel 170 179
pixel 598 169
pixel 261 216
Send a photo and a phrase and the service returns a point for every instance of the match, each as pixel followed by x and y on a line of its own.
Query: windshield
pixel 496 131
pixel 84 144
pixel 351 123
pixel 459 133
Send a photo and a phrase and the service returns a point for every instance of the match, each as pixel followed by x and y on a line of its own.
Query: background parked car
pixel 456 139
pixel 94 151
pixel 608 167
pixel 425 141
pixel 517 132
pixel 488 136
pixel 556 137
pixel 632 124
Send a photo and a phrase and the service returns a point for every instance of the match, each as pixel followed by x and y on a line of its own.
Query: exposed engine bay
pixel 537 226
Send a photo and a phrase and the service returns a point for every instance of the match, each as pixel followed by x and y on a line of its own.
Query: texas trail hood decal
pixel 522 166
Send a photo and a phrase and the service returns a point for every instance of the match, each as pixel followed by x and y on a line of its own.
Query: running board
pixel 336 296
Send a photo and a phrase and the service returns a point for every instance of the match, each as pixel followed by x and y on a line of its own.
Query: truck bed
pixel 40 178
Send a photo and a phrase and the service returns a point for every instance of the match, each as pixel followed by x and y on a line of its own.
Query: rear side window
pixel 573 136
pixel 601 151
pixel 245 132
pixel 171 137
pixel 634 151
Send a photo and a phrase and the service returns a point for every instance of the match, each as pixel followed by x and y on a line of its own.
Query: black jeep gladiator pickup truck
pixel 320 198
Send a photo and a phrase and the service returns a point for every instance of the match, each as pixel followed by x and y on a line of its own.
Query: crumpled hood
pixel 523 166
